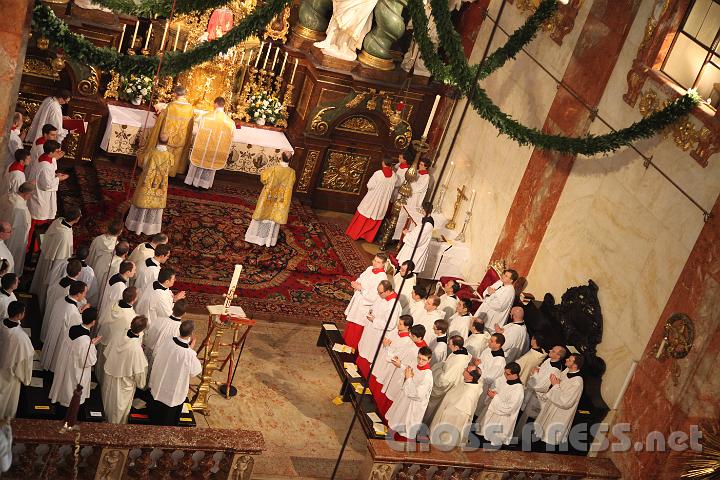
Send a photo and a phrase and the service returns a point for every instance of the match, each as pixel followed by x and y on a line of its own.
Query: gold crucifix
pixel 460 197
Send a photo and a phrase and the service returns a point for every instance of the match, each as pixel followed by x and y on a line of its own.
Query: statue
pixel 313 19
pixel 389 27
pixel 350 22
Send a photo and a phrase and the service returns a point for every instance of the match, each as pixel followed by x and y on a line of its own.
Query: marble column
pixel 593 60
pixel 14 33
pixel 653 402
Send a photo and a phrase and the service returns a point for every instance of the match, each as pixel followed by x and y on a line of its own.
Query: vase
pixel 260 121
pixel 136 101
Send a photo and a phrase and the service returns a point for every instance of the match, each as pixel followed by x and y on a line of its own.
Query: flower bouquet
pixel 136 88
pixel 263 108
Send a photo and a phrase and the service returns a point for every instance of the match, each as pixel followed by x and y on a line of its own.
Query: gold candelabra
pixel 460 197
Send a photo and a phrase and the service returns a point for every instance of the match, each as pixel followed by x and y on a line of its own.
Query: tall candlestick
pixel 267 55
pixel 292 77
pixel 257 60
pixel 242 57
pixel 147 40
pixel 137 25
pixel 122 37
pixel 177 37
pixel 162 42
pixel 282 69
pixel 186 45
pixel 277 50
pixel 432 114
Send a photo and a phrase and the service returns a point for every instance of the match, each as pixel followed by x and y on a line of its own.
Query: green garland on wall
pixel 463 76
pixel 79 48
pixel 148 8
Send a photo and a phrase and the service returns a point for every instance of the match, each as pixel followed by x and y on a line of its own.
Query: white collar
pixel 161 148
pixel 284 163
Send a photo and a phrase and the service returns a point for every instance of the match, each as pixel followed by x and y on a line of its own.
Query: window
pixel 694 57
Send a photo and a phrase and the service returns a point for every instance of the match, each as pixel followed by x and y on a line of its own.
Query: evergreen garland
pixel 80 49
pixel 148 8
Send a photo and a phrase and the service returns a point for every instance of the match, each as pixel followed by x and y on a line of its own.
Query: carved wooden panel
pixel 307 171
pixel 359 124
pixel 344 172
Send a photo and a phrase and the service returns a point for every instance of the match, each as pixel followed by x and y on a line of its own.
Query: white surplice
pixel 12 179
pixel 161 330
pixel 492 367
pixel 102 250
pixel 125 370
pixel 558 410
pixel 49 112
pixel 73 367
pixel 452 422
pixel 477 343
pixel 13 210
pixel 16 360
pixel 427 320
pixel 537 385
pixel 445 376
pixel 362 300
pixel 65 314
pixel 406 413
pixel 498 422
pixel 147 273
pixel 113 291
pixel 174 365
pixel 57 246
pixel 496 307
pixel 439 347
pixel 517 341
pixel 414 202
pixel 528 362
pixel 448 303
pixel 375 330
pixel 6 298
pixel 14 144
pixel 406 293
pixel 155 301
pixel 421 254
pixel 141 253
pixel 393 377
pixel 43 202
pixel 399 342
pixel 114 322
pixel 6 254
pixel 459 325
pixel 374 204
pixel 56 291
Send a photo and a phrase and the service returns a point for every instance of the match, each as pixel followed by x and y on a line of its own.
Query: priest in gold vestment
pixel 211 146
pixel 150 195
pixel 273 205
pixel 176 122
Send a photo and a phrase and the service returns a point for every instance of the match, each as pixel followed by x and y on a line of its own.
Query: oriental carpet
pixel 304 278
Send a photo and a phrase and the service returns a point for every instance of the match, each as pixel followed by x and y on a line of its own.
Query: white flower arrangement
pixel 262 105
pixel 136 86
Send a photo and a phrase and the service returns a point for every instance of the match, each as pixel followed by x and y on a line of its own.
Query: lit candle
pixel 122 37
pixel 242 57
pixel 162 42
pixel 257 60
pixel 137 25
pixel 452 169
pixel 282 69
pixel 277 50
pixel 292 77
pixel 432 114
pixel 186 45
pixel 267 55
pixel 177 37
pixel 236 275
pixel 147 40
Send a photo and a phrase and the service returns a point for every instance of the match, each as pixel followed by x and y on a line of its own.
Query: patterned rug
pixel 304 278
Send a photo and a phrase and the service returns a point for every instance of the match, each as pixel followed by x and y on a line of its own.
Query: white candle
pixel 432 114
pixel 122 37
pixel 147 40
pixel 242 57
pixel 250 57
pixel 452 169
pixel 282 69
pixel 177 37
pixel 162 42
pixel 186 45
pixel 292 77
pixel 137 25
pixel 277 50
pixel 236 275
pixel 257 60
pixel 267 55
pixel 472 200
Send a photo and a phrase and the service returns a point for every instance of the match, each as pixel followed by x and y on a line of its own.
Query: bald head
pixel 517 314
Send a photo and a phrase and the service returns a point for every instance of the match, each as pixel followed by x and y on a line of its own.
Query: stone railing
pixel 386 463
pixel 110 452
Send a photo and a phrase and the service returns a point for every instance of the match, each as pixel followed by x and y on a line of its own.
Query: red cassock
pixel 352 334
pixel 362 227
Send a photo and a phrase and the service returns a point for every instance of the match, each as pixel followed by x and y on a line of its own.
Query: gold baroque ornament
pixel 684 133
pixel 359 124
pixel 278 28
pixel 89 86
pixel 39 68
pixel 318 125
pixel 306 174
pixel 344 172
pixel 403 140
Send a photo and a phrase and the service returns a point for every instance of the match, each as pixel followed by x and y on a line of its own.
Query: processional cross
pixel 460 197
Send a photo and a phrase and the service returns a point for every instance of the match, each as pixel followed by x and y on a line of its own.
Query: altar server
pixel 174 365
pixel 147 271
pixel 176 123
pixel 14 210
pixel 448 299
pixel 57 246
pixel 16 359
pixel 417 197
pixel 116 285
pixel 146 250
pixel 43 203
pixel 532 359
pixel 102 249
pixel 113 323
pixel 384 311
pixel 478 340
pixel 150 196
pixel 427 316
pixel 5 253
pixel 50 112
pixel 66 312
pixel 273 205
pixel 419 235
pixel 406 413
pixel 560 403
pixel 538 382
pixel 517 341
pixel 87 274
pixel 364 295
pixel 398 346
pixel 107 271
pixel 14 142
pixel 417 301
pixel 404 289
pixel 439 344
pixel 398 359
pixel 498 422
pixel 157 299
pixel 211 147
pixel 460 321
pixel 49 132
pixel 14 174
pixel 125 370
pixel 163 329
pixel 58 290
pixel 8 284
pixel 496 306
pixel 374 205
pixel 491 363
pixel 452 423
pixel 75 364
pixel 446 375
pixel 400 171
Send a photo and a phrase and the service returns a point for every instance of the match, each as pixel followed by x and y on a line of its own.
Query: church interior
pixel 360 239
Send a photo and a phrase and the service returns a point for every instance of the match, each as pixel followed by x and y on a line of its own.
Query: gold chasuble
pixel 213 141
pixel 152 186
pixel 176 121
pixel 274 201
